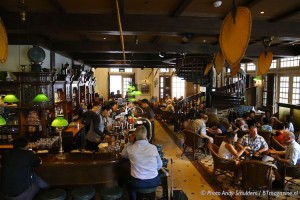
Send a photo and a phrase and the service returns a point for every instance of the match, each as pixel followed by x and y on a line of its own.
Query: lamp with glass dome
pixel 60 122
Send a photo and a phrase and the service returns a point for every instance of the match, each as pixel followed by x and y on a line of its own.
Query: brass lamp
pixel 59 122
pixel 10 99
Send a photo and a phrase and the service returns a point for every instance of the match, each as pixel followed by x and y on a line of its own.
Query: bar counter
pixel 83 169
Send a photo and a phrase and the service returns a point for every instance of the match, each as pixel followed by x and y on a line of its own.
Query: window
pixel 178 87
pixel 296 90
pixel 273 64
pixel 128 70
pixel 251 67
pixel 289 62
pixel 284 89
pixel 163 70
pixel 243 66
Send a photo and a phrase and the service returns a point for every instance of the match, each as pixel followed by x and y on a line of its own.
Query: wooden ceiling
pixel 87 30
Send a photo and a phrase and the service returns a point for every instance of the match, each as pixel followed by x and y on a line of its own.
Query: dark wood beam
pixel 155 39
pixel 56 4
pixel 251 3
pixel 286 14
pixel 95 65
pixel 144 24
pixel 181 7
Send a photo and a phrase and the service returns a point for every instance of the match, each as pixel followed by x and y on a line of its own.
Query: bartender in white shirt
pixel 145 162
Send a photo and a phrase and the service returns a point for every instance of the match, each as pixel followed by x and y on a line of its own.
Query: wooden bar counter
pixel 83 169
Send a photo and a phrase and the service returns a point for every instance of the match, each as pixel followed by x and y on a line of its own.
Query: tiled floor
pixel 193 183
pixel 186 176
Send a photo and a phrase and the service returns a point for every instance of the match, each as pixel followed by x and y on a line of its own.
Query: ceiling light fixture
pixel 161 54
pixel 217 3
pixel 262 12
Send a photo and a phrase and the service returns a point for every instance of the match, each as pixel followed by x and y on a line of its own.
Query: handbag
pixel 91 135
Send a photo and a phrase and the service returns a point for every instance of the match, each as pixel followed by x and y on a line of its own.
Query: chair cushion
pixel 83 193
pixel 111 193
pixel 146 190
pixel 54 194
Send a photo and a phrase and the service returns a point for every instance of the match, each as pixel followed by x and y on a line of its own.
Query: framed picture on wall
pixel 145 88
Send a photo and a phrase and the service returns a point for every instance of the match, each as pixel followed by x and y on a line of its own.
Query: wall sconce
pixel 60 122
pixel 10 99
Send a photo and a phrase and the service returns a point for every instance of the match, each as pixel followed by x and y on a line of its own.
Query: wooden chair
pixel 293 172
pixel 267 135
pixel 277 145
pixel 194 142
pixel 222 165
pixel 257 175
pixel 219 139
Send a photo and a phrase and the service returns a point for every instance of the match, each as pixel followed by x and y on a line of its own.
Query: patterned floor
pixel 227 191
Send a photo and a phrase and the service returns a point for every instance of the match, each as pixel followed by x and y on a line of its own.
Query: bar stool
pixel 83 193
pixel 146 193
pixel 54 194
pixel 112 193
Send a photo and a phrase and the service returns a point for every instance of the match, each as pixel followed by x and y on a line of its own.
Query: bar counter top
pixel 83 169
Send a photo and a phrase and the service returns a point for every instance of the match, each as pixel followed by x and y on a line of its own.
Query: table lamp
pixel 2 121
pixel 59 122
pixel 40 98
pixel 10 99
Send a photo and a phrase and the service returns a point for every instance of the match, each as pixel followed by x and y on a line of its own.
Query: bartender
pixel 94 137
pixel 149 114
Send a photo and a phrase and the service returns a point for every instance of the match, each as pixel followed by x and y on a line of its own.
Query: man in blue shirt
pixel 144 162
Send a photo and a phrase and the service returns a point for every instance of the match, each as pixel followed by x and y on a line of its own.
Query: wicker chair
pixel 219 139
pixel 194 142
pixel 257 175
pixel 222 165
pixel 276 145
pixel 293 172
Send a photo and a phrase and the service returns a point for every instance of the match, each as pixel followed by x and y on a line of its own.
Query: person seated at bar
pixel 94 137
pixel 227 149
pixel 199 126
pixel 291 157
pixel 18 181
pixel 145 162
pixel 256 142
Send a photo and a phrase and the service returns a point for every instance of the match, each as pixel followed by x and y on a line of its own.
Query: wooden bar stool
pixel 112 193
pixel 146 194
pixel 83 193
pixel 54 194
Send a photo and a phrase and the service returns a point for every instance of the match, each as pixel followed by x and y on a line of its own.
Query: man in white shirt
pixel 144 162
pixel 291 156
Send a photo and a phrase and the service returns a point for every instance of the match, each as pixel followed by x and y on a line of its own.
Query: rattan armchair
pixel 194 142
pixel 293 174
pixel 267 135
pixel 257 175
pixel 222 165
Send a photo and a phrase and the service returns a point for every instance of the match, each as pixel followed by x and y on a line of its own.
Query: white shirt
pixel 293 153
pixel 224 152
pixel 144 159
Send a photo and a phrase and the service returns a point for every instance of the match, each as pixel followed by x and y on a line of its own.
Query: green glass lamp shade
pixel 137 93
pixel 40 98
pixel 10 98
pixel 131 99
pixel 130 87
pixel 2 121
pixel 59 121
pixel 257 78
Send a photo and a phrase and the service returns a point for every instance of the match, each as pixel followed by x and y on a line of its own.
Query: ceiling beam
pixel 251 3
pixel 144 24
pixel 286 14
pixel 182 6
pixel 56 4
